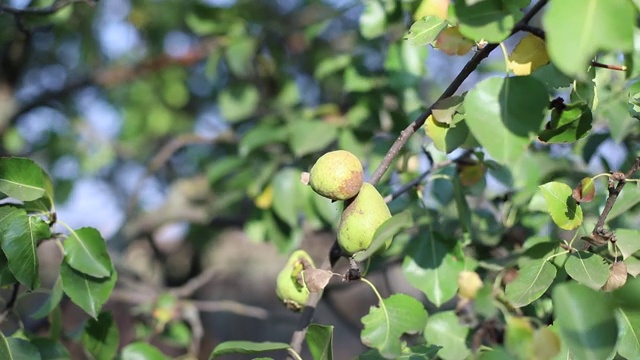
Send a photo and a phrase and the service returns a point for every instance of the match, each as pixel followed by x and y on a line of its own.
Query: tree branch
pixel 163 155
pixel 114 76
pixel 307 313
pixel 56 6
pixel 614 191
pixel 408 186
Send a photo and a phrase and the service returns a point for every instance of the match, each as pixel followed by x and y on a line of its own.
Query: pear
pixel 337 175
pixel 469 283
pixel 290 286
pixel 361 218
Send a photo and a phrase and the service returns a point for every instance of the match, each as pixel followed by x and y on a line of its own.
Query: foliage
pixel 526 177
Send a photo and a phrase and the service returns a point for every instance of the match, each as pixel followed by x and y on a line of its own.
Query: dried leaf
pixel 317 279
pixel 585 191
pixel 617 276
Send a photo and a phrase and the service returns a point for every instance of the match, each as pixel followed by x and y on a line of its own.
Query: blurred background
pixel 179 129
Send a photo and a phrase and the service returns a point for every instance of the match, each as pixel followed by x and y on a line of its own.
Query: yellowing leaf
pixel 528 55
pixel 451 42
pixel 264 200
pixel 439 8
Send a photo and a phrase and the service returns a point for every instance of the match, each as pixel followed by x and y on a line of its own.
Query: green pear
pixel 361 218
pixel 290 286
pixel 337 175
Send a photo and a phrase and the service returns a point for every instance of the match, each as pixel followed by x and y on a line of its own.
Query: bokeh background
pixel 178 130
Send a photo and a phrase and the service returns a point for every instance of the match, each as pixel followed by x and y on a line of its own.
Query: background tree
pixel 152 153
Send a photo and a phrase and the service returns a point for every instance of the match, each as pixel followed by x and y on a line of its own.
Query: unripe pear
pixel 337 175
pixel 361 218
pixel 290 286
pixel 469 283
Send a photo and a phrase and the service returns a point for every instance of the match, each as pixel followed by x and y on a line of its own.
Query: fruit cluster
pixel 338 175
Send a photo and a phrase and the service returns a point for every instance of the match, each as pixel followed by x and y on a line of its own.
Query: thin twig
pixel 608 66
pixel 533 30
pixel 408 186
pixel 307 313
pixel 114 76
pixel 14 296
pixel 161 158
pixel 232 307
pixel 191 315
pixel 132 296
pixel 191 286
pixel 614 191
pixel 56 6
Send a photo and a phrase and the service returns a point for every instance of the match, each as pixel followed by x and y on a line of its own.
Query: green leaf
pixel 142 351
pixel 551 77
pixel 373 20
pixel 385 232
pixel 588 269
pixel 490 20
pixel 464 214
pixel 519 335
pixel 86 251
pixel 331 65
pixel 444 109
pixel 286 185
pixel 564 210
pixel 239 102
pixel 446 138
pixel 568 125
pixel 384 325
pixel 20 234
pixel 85 291
pixel 357 81
pixel 246 347
pixel 262 134
pixel 418 352
pixel 444 329
pixel 21 178
pixel 50 349
pixel 505 113
pixel 425 31
pixel 627 241
pixel 306 137
pixel 6 276
pixel 629 339
pixel 222 168
pixel 496 353
pixel 101 337
pixel 239 55
pixel 13 348
pixel 532 281
pixel 320 341
pixel 577 29
pixel 52 301
pixel 433 269
pixel 627 296
pixel 586 321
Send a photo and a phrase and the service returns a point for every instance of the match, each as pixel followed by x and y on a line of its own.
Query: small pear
pixel 337 175
pixel 290 286
pixel 469 283
pixel 361 218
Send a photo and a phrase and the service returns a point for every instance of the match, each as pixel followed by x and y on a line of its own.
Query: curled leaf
pixel 316 279
pixel 585 191
pixel 617 276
